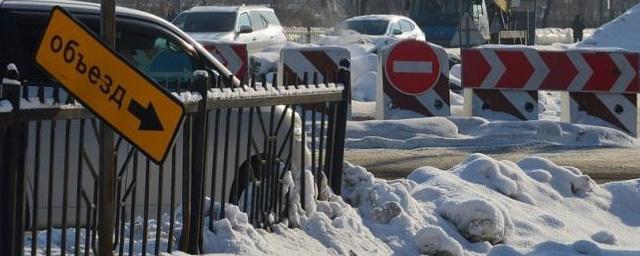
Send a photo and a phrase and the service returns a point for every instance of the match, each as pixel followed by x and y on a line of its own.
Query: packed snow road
pixel 603 164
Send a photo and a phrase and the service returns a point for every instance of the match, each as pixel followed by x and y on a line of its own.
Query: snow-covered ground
pixel 480 207
pixel 621 32
pixel 549 36
pixel 473 132
pixel 484 206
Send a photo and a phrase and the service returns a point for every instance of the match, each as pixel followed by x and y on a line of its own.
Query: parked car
pixel 141 38
pixel 378 26
pixel 257 26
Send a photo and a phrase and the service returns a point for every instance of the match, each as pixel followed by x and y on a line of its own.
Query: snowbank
pixel 479 132
pixel 484 206
pixel 479 207
pixel 620 32
pixel 549 36
pixel 329 227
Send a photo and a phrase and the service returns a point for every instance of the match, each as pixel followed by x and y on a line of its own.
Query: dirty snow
pixel 549 36
pixel 481 206
pixel 474 132
pixel 497 208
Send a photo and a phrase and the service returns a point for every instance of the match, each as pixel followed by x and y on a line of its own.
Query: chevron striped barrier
pixel 234 56
pixel 599 86
pixel 318 63
pixel 413 81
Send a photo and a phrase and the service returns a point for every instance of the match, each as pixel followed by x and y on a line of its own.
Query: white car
pixel 378 26
pixel 257 26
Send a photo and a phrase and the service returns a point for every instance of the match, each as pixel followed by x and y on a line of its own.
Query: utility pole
pixel 107 172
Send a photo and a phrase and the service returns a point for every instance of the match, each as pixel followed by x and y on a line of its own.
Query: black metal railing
pixel 238 146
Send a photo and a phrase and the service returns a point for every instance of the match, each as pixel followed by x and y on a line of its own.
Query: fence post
pixel 12 145
pixel 198 159
pixel 340 124
pixel 308 34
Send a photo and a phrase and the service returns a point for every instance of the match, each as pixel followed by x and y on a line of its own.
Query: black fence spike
pixel 305 79
pixel 56 94
pixel 253 80
pixel 274 80
pixel 41 93
pixel 315 78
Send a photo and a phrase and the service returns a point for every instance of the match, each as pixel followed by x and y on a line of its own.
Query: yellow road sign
pixel 104 82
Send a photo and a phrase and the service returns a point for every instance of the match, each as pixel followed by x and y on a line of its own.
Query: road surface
pixel 602 164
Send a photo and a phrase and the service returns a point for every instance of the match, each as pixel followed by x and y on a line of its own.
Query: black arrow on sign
pixel 148 117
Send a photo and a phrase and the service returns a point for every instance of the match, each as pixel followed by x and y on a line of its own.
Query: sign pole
pixel 121 96
pixel 106 204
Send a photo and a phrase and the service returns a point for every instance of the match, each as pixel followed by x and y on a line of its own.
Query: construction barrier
pixel 599 86
pixel 234 56
pixel 413 81
pixel 308 65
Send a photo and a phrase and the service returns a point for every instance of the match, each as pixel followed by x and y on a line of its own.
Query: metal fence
pixel 255 147
pixel 304 35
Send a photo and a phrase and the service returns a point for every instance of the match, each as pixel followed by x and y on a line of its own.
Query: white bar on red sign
pixel 422 67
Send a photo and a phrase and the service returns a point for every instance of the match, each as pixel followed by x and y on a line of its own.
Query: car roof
pixel 94 9
pixel 217 8
pixel 73 6
pixel 86 8
pixel 386 17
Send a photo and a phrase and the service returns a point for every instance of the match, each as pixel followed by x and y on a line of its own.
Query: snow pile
pixel 479 207
pixel 478 132
pixel 484 206
pixel 327 227
pixel 187 97
pixel 549 36
pixel 364 77
pixel 152 225
pixel 477 220
pixel 618 33
pixel 432 240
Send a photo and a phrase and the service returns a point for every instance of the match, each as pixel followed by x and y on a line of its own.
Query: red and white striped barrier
pixel 599 84
pixel 319 63
pixel 234 56
pixel 412 76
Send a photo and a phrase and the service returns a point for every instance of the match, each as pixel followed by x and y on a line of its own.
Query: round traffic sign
pixel 412 67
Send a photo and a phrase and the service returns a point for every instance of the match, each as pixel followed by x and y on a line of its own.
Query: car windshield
pixel 367 27
pixel 206 21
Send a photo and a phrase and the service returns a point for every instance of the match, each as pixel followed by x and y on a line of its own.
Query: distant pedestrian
pixel 578 27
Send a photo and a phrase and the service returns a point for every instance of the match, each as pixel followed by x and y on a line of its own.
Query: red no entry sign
pixel 412 67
